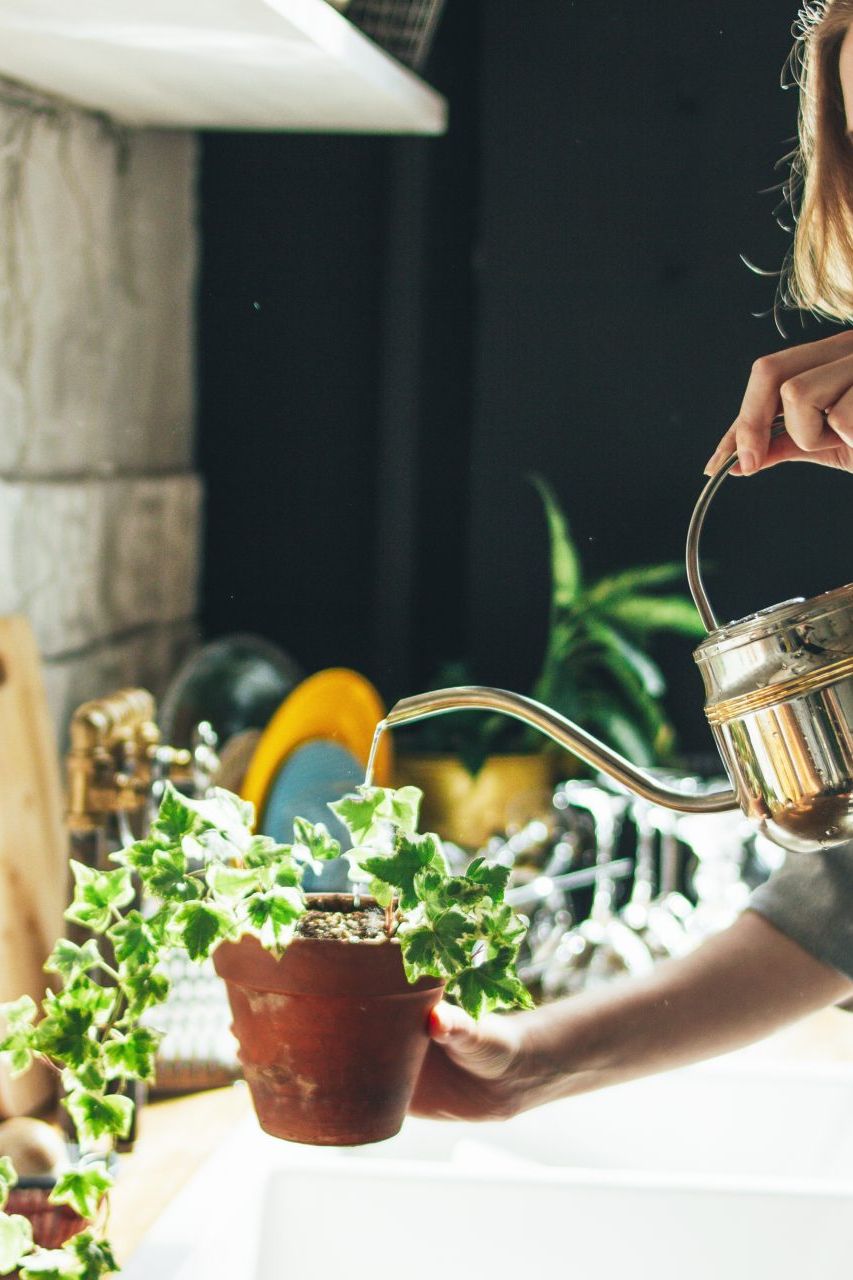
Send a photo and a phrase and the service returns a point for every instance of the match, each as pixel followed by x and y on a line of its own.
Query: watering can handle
pixel 694 575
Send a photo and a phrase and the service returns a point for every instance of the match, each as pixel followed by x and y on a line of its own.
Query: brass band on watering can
pixel 785 690
pixel 779 688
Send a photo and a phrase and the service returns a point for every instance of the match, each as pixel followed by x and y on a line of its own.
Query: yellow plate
pixel 336 705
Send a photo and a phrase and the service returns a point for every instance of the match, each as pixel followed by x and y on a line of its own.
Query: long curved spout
pixel 422 706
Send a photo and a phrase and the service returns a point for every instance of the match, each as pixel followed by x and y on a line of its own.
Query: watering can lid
pixel 763 624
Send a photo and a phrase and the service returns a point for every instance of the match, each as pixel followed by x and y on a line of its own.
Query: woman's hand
pixel 813 386
pixel 473 1070
pixel 738 986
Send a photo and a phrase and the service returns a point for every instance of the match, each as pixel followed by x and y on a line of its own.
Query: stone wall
pixel 99 506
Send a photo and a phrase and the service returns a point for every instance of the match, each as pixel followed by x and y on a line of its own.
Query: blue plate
pixel 306 782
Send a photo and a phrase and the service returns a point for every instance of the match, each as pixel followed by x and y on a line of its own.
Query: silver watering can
pixel 779 688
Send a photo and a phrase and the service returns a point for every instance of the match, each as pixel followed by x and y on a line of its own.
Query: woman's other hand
pixel 812 386
pixel 473 1070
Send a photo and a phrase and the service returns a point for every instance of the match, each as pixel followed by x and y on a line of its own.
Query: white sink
pixel 735 1170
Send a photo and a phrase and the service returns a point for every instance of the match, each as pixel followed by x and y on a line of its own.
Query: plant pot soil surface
pixel 332 1036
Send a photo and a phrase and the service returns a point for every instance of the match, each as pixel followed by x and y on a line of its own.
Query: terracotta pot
pixel 507 792
pixel 332 1036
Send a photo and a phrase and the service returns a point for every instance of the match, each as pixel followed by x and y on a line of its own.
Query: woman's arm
pixel 736 988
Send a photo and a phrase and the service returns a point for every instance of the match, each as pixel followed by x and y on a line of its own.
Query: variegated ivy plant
pixel 204 877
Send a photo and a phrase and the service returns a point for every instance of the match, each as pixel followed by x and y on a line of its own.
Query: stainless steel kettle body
pixel 779 700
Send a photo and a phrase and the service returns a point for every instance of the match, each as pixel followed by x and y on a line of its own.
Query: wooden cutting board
pixel 33 843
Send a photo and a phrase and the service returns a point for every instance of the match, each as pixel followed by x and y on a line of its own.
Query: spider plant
pixel 596 668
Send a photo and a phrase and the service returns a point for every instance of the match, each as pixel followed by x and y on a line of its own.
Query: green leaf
pixel 565 564
pixel 177 818
pixel 132 1056
pixel 168 877
pixel 65 1034
pixel 97 1115
pixel 144 987
pixel 53 1264
pixel 95 1255
pixel 365 811
pixel 491 876
pixel 646 614
pixel 232 882
pixel 314 836
pixel 412 854
pixel 490 985
pixel 273 915
pixel 97 895
pixel 646 672
pixel 440 947
pixel 16 1045
pixel 200 925
pixel 69 960
pixel 360 812
pixel 16 1241
pixel 605 715
pixel 630 581
pixel 140 854
pixel 133 940
pixel 18 1014
pixel 8 1178
pixel 83 1189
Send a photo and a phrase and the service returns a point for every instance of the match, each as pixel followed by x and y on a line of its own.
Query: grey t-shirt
pixel 810 898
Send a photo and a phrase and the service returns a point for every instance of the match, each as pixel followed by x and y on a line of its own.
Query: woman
pixel 791 952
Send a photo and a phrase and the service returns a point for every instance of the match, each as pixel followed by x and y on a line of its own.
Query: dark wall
pixel 554 286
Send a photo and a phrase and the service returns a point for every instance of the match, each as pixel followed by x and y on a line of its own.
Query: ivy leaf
pixel 263 851
pixel 83 1189
pixel 53 1264
pixel 273 915
pixel 199 925
pixel 132 1056
pixel 84 993
pixel 98 1114
pixel 133 940
pixel 359 812
pixel 140 854
pixel 491 985
pixel 16 1241
pixel 405 803
pixel 97 894
pixel 69 960
pixel 315 837
pixel 412 854
pixel 64 1034
pixel 16 1045
pixel 90 1076
pixel 143 987
pixel 491 876
pixel 232 882
pixel 95 1255
pixel 167 876
pixel 439 948
pixel 8 1178
pixel 176 818
pixel 505 928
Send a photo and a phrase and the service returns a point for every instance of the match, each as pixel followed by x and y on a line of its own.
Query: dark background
pixel 394 332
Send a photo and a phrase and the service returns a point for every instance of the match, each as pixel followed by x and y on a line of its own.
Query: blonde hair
pixel 818 274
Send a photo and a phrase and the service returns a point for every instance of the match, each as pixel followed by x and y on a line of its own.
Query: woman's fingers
pixel 803 382
pixel 484 1048
pixel 809 400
